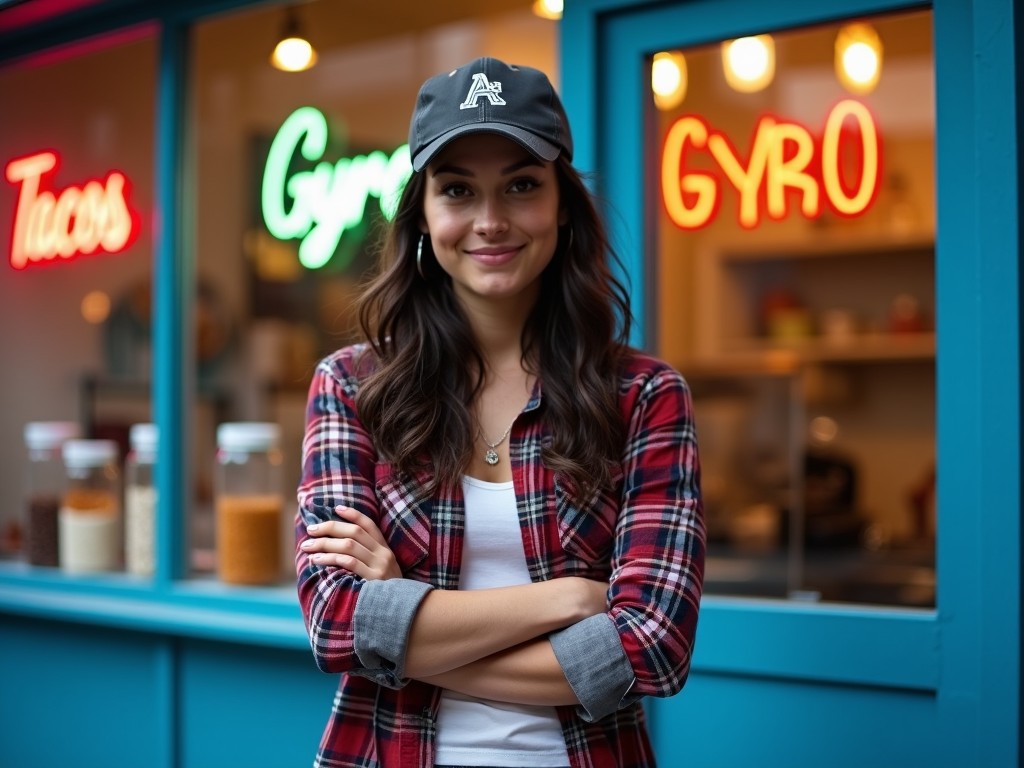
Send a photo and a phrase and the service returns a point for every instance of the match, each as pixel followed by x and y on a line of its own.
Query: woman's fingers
pixel 336 529
pixel 356 517
pixel 356 546
pixel 351 524
pixel 350 555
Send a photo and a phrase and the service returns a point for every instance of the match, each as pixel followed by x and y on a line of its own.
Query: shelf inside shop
pixel 770 356
pixel 825 248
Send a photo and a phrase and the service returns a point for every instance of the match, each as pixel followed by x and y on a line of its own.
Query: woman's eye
pixel 455 190
pixel 524 185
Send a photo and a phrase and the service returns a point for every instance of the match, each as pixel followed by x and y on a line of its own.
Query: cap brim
pixel 539 147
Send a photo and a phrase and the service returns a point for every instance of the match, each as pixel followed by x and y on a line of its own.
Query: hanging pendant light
pixel 858 59
pixel 293 52
pixel 668 79
pixel 749 63
pixel 548 9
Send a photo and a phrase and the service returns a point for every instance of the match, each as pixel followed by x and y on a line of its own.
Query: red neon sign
pixel 76 220
pixel 842 169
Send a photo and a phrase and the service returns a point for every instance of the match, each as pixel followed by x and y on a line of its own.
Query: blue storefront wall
pixel 794 685
pixel 107 672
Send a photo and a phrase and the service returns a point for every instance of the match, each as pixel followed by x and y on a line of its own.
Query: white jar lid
pixel 143 438
pixel 248 436
pixel 89 453
pixel 44 435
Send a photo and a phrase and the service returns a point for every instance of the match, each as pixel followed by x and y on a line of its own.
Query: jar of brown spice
pixel 45 481
pixel 249 503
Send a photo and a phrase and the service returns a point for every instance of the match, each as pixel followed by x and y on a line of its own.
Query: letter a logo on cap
pixel 482 87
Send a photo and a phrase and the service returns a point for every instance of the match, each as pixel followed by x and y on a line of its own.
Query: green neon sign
pixel 331 197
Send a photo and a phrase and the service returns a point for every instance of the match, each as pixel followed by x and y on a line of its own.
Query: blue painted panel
pixel 833 643
pixel 81 696
pixel 257 707
pixel 731 722
pixel 978 301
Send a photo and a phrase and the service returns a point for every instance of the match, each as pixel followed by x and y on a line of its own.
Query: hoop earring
pixel 419 257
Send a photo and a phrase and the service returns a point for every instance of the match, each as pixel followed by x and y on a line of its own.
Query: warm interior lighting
pixel 749 63
pixel 668 79
pixel 95 307
pixel 293 53
pixel 548 9
pixel 858 59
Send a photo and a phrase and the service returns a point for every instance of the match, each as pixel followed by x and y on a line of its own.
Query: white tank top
pixel 473 731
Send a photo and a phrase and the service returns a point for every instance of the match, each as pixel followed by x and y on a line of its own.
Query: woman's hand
pixel 353 543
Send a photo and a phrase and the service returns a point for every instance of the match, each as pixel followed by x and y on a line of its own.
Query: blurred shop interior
pixel 790 261
pixel 793 218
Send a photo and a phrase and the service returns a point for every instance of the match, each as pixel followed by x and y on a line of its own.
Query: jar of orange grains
pixel 249 503
pixel 89 521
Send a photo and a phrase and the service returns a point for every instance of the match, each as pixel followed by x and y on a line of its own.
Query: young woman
pixel 500 533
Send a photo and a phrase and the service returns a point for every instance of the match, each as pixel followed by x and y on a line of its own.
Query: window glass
pixel 277 270
pixel 794 193
pixel 76 144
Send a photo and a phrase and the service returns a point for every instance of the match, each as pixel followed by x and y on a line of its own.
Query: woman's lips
pixel 494 255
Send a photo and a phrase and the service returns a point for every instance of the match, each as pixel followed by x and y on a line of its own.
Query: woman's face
pixel 491 210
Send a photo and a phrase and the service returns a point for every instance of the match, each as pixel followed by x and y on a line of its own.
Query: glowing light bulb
pixel 548 9
pixel 668 79
pixel 858 58
pixel 293 54
pixel 749 63
pixel 95 307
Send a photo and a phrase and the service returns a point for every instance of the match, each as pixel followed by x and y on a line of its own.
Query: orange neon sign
pixel 76 220
pixel 785 160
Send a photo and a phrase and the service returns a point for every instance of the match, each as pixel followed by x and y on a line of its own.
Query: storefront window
pixel 279 261
pixel 76 145
pixel 794 193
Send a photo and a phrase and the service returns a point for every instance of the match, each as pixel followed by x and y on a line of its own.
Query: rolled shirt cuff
pixel 381 623
pixel 595 665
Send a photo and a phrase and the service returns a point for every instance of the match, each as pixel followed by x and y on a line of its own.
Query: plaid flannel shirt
pixel 646 538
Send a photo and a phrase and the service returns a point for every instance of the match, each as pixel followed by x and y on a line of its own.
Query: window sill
pixel 200 608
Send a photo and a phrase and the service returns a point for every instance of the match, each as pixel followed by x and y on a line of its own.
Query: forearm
pixel 526 674
pixel 453 628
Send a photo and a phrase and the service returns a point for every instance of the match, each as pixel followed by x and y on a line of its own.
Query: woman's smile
pixel 495 255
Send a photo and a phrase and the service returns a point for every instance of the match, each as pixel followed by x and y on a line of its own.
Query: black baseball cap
pixel 489 96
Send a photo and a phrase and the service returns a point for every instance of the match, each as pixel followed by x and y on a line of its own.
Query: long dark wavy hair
pixel 427 370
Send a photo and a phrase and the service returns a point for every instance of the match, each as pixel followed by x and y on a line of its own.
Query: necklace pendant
pixel 491 457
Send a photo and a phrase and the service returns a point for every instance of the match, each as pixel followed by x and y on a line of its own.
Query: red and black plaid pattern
pixel 646 537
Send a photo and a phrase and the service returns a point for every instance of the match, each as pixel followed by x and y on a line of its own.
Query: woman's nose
pixel 491 218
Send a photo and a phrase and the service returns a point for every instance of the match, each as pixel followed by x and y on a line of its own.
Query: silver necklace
pixel 491 456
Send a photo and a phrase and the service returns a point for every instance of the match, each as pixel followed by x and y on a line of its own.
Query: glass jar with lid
pixel 90 513
pixel 140 501
pixel 45 481
pixel 249 503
